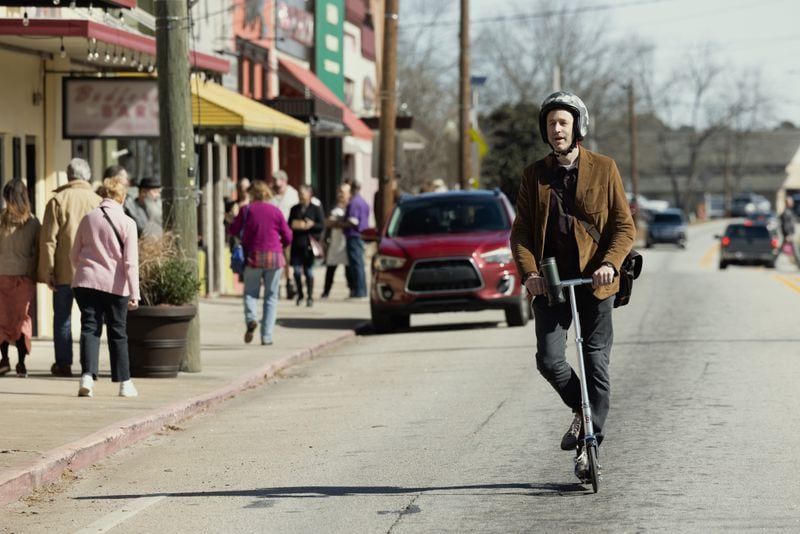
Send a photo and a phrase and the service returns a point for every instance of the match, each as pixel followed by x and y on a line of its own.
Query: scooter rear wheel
pixel 593 467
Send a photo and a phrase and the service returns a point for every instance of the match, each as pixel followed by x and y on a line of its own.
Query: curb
pixel 17 483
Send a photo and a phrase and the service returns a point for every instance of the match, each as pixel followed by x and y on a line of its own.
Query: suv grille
pixel 444 275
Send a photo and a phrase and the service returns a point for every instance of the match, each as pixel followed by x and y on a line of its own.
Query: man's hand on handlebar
pixel 603 276
pixel 535 285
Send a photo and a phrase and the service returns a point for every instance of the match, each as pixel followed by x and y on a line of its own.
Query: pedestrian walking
pixel 119 172
pixel 284 196
pixel 19 248
pixel 560 198
pixel 265 235
pixel 787 229
pixel 356 220
pixel 62 215
pixel 146 209
pixel 307 222
pixel 105 256
pixel 336 251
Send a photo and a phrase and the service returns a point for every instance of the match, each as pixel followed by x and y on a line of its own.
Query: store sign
pixel 369 94
pixel 109 108
pixel 249 140
pixel 295 28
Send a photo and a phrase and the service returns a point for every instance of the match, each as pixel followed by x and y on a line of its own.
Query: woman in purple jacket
pixel 265 233
pixel 105 255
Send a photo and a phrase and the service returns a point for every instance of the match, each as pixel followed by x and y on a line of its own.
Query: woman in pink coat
pixel 105 256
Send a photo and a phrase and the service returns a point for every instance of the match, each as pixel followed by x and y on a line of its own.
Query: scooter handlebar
pixel 554 284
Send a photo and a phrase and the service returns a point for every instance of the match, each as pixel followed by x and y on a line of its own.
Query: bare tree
pixel 707 108
pixel 522 55
pixel 427 89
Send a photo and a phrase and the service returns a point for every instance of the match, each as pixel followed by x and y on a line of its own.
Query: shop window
pixel 16 158
pixel 81 149
pixel 30 169
pixel 2 168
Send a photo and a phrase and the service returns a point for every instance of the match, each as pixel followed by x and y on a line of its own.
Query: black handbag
pixel 629 271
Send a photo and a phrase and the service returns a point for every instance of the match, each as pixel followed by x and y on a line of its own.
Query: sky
pixel 747 33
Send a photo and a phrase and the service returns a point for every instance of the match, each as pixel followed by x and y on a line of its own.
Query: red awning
pixel 308 79
pixel 100 4
pixel 77 33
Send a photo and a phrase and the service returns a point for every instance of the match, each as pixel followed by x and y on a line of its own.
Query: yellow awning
pixel 218 108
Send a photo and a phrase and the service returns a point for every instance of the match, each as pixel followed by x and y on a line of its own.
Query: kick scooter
pixel 555 295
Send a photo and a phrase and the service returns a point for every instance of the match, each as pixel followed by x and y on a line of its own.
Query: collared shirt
pixel 357 213
pixel 560 234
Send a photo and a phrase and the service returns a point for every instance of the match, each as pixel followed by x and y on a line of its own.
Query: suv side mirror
pixel 370 235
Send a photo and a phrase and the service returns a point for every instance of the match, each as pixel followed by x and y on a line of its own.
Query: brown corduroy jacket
pixel 600 200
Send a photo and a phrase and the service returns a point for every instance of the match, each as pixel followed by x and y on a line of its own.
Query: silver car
pixel 667 226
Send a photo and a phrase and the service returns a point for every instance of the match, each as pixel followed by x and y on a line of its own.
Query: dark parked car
pixel 748 244
pixel 444 252
pixel 744 204
pixel 667 226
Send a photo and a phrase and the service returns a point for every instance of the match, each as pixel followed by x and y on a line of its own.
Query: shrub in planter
pixel 157 330
pixel 165 276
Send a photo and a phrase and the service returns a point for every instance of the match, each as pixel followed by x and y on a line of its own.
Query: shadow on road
pixel 323 323
pixel 317 492
pixel 445 327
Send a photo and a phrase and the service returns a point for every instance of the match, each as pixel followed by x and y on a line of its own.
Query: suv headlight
pixel 499 255
pixel 388 263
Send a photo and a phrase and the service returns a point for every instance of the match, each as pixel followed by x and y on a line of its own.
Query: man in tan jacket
pixel 563 199
pixel 62 214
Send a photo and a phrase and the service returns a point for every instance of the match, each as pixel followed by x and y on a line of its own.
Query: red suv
pixel 444 252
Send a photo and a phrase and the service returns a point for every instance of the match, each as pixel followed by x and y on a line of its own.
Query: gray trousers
pixel 552 331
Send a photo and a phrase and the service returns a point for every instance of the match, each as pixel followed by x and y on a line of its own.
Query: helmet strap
pixel 567 151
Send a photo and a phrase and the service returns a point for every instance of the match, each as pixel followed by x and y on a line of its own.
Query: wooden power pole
pixel 464 145
pixel 634 166
pixel 177 142
pixel 388 115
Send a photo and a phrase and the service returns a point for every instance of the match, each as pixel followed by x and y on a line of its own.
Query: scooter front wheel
pixel 594 466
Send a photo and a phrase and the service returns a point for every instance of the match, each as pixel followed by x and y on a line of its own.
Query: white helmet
pixel 573 104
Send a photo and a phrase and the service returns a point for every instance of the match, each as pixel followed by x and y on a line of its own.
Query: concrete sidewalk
pixel 48 429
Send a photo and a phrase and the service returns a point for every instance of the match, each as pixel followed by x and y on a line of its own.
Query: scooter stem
pixel 586 409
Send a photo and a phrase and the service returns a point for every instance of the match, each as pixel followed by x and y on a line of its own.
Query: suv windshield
pixel 448 215
pixel 667 218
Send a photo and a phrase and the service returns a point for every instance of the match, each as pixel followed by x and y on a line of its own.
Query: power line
pixel 529 16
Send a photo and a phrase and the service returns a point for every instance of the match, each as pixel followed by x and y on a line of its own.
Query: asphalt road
pixel 449 428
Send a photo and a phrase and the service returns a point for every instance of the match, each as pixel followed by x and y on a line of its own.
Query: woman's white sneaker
pixel 85 389
pixel 127 389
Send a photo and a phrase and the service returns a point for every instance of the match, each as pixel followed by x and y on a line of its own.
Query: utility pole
pixel 727 187
pixel 388 114
pixel 634 166
pixel 464 145
pixel 177 142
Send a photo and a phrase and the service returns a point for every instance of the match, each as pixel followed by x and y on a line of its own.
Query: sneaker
pixel 5 366
pixel 309 302
pixel 22 371
pixel 582 465
pixel 61 370
pixel 85 389
pixel 266 342
pixel 127 389
pixel 570 439
pixel 251 327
